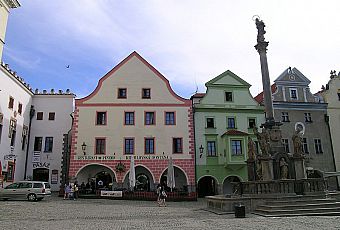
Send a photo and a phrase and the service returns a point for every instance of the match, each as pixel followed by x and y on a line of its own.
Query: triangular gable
pixel 292 76
pixel 227 78
pixel 117 67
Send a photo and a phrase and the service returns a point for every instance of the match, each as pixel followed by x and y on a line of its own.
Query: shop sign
pixel 54 177
pixel 111 193
pixel 41 165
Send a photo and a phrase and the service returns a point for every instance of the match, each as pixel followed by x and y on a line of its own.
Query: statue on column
pixel 297 142
pixel 263 139
pixel 260 30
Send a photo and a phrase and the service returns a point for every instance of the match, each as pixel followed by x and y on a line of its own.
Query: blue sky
pixel 189 42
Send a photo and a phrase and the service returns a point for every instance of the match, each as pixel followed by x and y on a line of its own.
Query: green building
pixel 224 119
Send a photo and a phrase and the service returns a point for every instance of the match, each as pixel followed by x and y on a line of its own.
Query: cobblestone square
pixel 56 213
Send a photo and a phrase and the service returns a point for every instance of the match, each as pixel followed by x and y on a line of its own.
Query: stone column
pixel 267 168
pixel 299 165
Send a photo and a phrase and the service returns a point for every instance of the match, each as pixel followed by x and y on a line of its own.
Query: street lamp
pixel 201 148
pixel 83 147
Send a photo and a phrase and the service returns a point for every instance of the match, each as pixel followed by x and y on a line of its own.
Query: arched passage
pixel 181 182
pixel 207 186
pixel 92 174
pixel 144 179
pixel 41 174
pixel 227 184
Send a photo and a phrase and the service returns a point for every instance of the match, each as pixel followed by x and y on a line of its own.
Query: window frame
pixel 96 143
pixel 175 145
pixel 40 116
pixel 206 123
pixel 153 145
pixel 51 116
pixel 125 146
pixel 231 118
pixel 48 143
pixel 285 117
pixel 11 102
pixel 105 118
pixel 291 90
pixel 318 146
pixel 125 116
pixel 232 149
pixel 20 108
pixel 285 143
pixel 145 117
pixel 209 152
pixel 308 117
pixel 230 93
pixel 165 117
pixel 252 118
pixel 40 144
pixel 120 95
pixel 305 145
pixel 144 96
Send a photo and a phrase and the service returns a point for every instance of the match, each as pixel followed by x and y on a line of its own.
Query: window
pixel 129 146
pixel 101 118
pixel 100 145
pixel 236 147
pixel 285 143
pixel 12 131
pixel 170 118
pixel 11 103
pixel 24 137
pixel 51 116
pixel 146 93
pixel 38 185
pixel 40 116
pixel 177 146
pixel 228 96
pixel 293 93
pixel 129 118
pixel 1 124
pixel 20 108
pixel 37 144
pixel 149 118
pixel 122 93
pixel 285 117
pixel 231 123
pixel 149 146
pixel 308 117
pixel 25 185
pixel 48 144
pixel 211 148
pixel 317 145
pixel 305 145
pixel 251 123
pixel 210 122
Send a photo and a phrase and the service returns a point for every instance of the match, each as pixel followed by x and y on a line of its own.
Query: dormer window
pixel 122 93
pixel 228 96
pixel 293 94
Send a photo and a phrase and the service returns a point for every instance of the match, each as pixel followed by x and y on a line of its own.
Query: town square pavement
pixel 56 213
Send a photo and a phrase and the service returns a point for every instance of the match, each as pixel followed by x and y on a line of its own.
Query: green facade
pixel 223 118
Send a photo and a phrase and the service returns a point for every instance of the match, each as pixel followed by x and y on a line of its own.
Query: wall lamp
pixel 83 147
pixel 201 148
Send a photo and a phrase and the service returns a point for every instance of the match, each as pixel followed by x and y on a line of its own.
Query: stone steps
pixel 300 207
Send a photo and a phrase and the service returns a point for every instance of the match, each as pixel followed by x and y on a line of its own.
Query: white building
pixel 32 124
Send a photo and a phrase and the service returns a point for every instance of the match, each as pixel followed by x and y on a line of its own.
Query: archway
pixel 181 183
pixel 92 174
pixel 144 179
pixel 41 174
pixel 206 186
pixel 227 184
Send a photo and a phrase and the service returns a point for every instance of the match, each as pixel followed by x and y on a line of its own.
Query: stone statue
pixel 260 30
pixel 263 139
pixel 251 149
pixel 283 169
pixel 297 142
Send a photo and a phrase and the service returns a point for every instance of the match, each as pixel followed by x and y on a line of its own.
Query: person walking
pixel 66 191
pixel 158 191
pixel 162 197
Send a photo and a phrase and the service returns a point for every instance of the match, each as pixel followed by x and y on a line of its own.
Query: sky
pixel 189 42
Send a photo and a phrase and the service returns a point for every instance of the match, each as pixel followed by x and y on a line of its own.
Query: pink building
pixel 133 112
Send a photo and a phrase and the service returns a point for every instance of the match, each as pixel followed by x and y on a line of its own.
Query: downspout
pixel 32 112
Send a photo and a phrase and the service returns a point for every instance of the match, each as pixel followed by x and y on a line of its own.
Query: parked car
pixel 30 190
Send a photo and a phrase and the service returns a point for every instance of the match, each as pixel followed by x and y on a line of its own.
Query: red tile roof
pixel 259 97
pixel 234 132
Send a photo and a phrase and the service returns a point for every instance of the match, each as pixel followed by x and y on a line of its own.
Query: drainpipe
pixel 32 112
pixel 330 135
pixel 194 132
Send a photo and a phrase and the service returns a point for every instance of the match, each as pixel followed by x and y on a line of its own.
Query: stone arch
pixel 181 178
pixel 207 186
pixel 227 183
pixel 144 179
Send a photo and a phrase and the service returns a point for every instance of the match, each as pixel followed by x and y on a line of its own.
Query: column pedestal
pixel 299 166
pixel 267 168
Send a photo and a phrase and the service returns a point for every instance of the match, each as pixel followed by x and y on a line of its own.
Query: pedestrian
pixel 66 191
pixel 162 197
pixel 158 191
pixel 71 194
pixel 76 190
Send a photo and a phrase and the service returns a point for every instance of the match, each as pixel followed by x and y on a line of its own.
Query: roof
pixel 200 95
pixel 234 132
pixel 259 97
pixel 229 74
